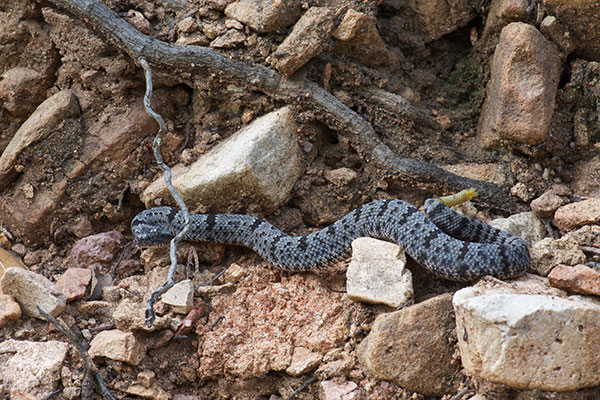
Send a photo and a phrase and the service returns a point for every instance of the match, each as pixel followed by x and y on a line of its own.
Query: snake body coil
pixel 449 244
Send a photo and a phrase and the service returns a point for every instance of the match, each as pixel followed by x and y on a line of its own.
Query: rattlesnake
pixel 449 244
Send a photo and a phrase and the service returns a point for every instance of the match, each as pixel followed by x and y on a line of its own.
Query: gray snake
pixel 449 244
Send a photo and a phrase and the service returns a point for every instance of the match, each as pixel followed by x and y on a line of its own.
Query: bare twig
pixel 150 315
pixel 196 60
pixel 90 367
pixel 310 381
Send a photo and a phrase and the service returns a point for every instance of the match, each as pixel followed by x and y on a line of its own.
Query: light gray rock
pixel 261 161
pixel 265 15
pixel 548 253
pixel 528 341
pixel 31 369
pixel 414 347
pixel 180 297
pixel 30 289
pixel 117 345
pixel 334 390
pixel 525 225
pixel 377 273
pixel 522 89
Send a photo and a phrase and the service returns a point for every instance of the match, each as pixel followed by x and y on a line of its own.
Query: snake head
pixel 152 227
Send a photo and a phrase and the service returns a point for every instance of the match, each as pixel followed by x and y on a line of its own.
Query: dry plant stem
pixel 89 365
pixel 196 60
pixel 150 315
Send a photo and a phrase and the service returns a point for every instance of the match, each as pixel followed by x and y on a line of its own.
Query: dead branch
pixel 304 94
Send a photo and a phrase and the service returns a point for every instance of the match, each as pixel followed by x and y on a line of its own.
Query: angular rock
pixel 73 283
pixel 525 225
pixel 333 390
pixel 548 253
pixel 414 347
pixel 180 297
pixel 308 39
pixel 578 279
pixel 41 123
pixel 262 160
pixel 9 309
pixel 581 18
pixel 528 341
pixel 359 39
pixel 21 90
pixel 303 361
pixel 546 204
pixel 9 259
pixel 117 345
pixel 490 172
pixel 377 273
pixel 228 40
pixel 522 89
pixel 265 15
pixel 503 12
pixel 574 215
pixel 100 250
pixel 557 32
pixel 31 369
pixel 341 176
pixel 30 289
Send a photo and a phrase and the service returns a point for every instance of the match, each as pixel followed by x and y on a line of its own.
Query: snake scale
pixel 449 244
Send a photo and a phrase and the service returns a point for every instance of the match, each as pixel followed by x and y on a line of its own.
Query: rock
pixel 377 273
pixel 503 12
pixel 546 204
pixel 7 260
pixel 581 20
pixel 187 25
pixel 41 123
pixel 180 297
pixel 303 361
pixel 309 38
pixel 138 21
pixel 265 15
pixel 333 390
pixel 525 225
pixel 414 348
pixel 574 215
pixel 578 279
pixel 73 283
pixel 155 392
pixel 336 363
pixel 229 39
pixel 30 289
pixel 261 160
pixel 341 176
pixel 358 38
pixel 548 253
pixel 522 88
pixel 31 370
pixel 490 172
pixel 505 335
pixel 588 235
pixel 21 90
pixel 9 310
pixel 117 345
pixel 193 39
pixel 287 312
pixel 97 251
pixel 130 316
pixel 586 176
pixel 556 32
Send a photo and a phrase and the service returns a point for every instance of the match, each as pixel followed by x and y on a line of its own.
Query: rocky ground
pixel 505 91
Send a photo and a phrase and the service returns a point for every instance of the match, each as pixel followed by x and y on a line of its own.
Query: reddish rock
pixel 21 90
pixel 118 345
pixel 101 249
pixel 74 282
pixel 347 390
pixel 9 309
pixel 577 279
pixel 574 215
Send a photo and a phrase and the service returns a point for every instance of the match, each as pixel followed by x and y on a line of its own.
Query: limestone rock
pixel 522 89
pixel 117 345
pixel 74 282
pixel 574 215
pixel 41 123
pixel 525 225
pixel 548 253
pixel 413 347
pixel 505 336
pixel 30 289
pixel 31 369
pixel 546 204
pixel 180 297
pixel 581 18
pixel 308 39
pixel 9 309
pixel 265 15
pixel 260 160
pixel 359 38
pixel 576 279
pixel 303 361
pixel 377 273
